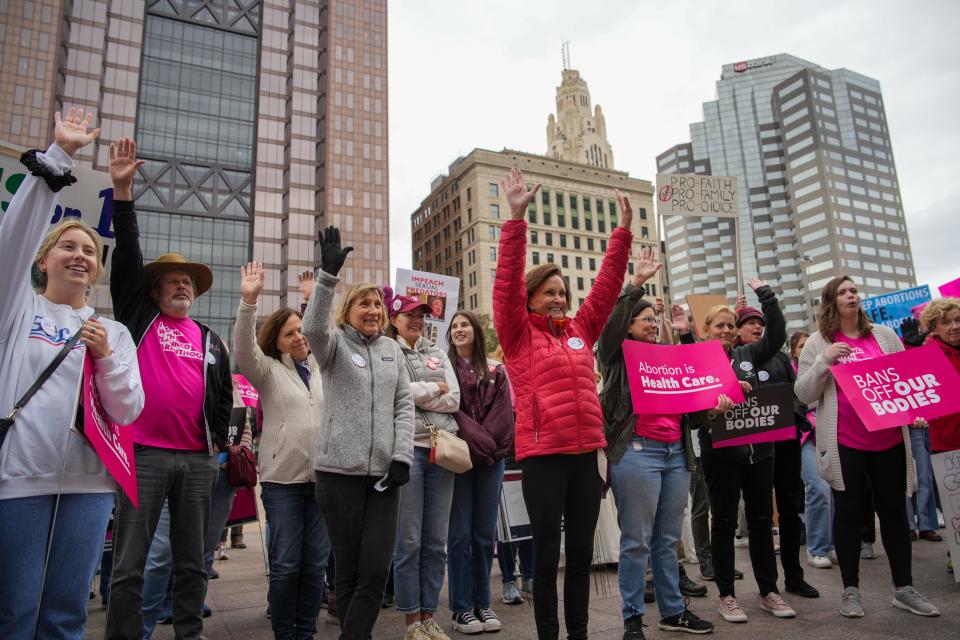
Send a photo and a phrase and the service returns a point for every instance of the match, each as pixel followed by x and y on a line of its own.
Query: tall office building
pixel 456 229
pixel 818 186
pixel 261 121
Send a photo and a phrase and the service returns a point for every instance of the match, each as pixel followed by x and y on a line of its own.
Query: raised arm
pixel 316 317
pixel 593 314
pixel 775 326
pixel 28 215
pixel 127 282
pixel 509 293
pixel 250 359
pixel 611 340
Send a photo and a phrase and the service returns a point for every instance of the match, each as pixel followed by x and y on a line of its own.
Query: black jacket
pixel 133 307
pixel 747 362
pixel 615 399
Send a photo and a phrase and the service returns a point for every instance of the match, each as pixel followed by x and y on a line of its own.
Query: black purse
pixel 7 422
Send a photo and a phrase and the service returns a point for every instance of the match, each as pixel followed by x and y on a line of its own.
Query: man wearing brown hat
pixel 189 394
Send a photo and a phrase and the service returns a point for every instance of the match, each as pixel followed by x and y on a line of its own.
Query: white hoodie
pixel 33 330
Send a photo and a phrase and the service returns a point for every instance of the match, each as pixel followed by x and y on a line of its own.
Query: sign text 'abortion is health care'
pixel 678 378
pixel 896 389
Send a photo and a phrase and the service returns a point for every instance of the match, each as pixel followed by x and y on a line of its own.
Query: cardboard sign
pixel 90 198
pixel 678 378
pixel 699 306
pixel 895 389
pixel 113 443
pixel 891 309
pixel 442 293
pixel 946 469
pixel 951 289
pixel 244 507
pixel 765 415
pixel 247 393
pixel 692 195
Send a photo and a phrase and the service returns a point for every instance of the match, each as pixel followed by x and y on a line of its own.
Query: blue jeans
pixel 650 485
pixel 507 553
pixel 298 550
pixel 925 517
pixel 223 493
pixel 74 553
pixel 472 534
pixel 420 556
pixel 156 573
pixel 818 502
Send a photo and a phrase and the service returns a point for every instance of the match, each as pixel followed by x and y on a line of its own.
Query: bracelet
pixel 40 170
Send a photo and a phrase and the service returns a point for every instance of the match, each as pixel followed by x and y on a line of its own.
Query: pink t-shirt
pixel 850 430
pixel 661 427
pixel 171 369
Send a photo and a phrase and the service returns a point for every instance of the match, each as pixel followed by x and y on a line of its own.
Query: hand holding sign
pixel 765 415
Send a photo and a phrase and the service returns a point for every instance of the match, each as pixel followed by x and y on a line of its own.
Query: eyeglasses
pixel 647 319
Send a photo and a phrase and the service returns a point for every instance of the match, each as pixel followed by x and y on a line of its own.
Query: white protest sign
pixel 694 195
pixel 442 293
pixel 946 469
pixel 90 198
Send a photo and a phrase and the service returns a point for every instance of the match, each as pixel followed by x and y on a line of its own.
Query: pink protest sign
pixel 678 378
pixel 896 389
pixel 246 390
pixel 917 311
pixel 244 507
pixel 113 443
pixel 951 289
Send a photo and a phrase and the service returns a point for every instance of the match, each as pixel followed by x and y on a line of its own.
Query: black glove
pixel 398 475
pixel 331 255
pixel 912 336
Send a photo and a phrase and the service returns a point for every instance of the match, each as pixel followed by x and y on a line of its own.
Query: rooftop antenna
pixel 565 52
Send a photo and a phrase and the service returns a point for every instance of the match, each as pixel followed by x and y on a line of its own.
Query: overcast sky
pixel 484 74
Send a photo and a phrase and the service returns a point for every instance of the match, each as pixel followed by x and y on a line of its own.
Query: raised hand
pixel 658 306
pixel 755 283
pixel 626 210
pixel 331 254
pixel 123 166
pixel 741 302
pixel 517 195
pixel 252 278
pixel 71 133
pixel 679 321
pixel 913 336
pixel 645 267
pixel 306 279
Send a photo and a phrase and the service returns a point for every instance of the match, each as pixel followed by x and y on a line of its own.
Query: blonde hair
pixel 715 311
pixel 54 236
pixel 353 294
pixel 936 310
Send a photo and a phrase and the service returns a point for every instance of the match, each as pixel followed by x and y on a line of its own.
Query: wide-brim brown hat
pixel 202 274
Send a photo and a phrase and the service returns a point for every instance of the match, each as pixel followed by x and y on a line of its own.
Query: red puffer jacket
pixel 945 431
pixel 551 369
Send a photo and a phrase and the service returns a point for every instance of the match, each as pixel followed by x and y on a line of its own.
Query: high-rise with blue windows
pixel 818 187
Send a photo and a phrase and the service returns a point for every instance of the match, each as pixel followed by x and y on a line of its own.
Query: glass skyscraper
pixel 818 186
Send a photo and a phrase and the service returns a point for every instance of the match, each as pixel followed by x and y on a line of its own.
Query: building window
pixel 578 263
pixel 491 232
pixel 576 242
pixel 549 238
pixel 630 268
pixel 573 202
pixel 534 237
pixel 586 204
pixel 590 244
pixel 593 264
pixel 643 213
pixel 493 254
pixel 575 222
pixel 564 262
pixel 601 226
pixel 579 282
pixel 546 217
pixel 468 194
pixel 494 190
pixel 599 206
pixel 532 214
pixel 536 257
pixel 494 211
pixel 644 233
pixel 603 246
pixel 563 240
pixel 545 197
pixel 550 257
pixel 561 220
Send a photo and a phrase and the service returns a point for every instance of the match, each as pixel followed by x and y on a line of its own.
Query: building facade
pixel 576 133
pixel 818 186
pixel 456 229
pixel 261 122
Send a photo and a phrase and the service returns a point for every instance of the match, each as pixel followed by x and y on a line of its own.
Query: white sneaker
pixel 741 542
pixel 820 562
pixel 833 556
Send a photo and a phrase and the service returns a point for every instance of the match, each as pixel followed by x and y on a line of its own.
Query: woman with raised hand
pixel 651 456
pixel 420 560
pixel 278 363
pixel 486 421
pixel 365 447
pixel 745 469
pixel 55 494
pixel 559 429
pixel 856 462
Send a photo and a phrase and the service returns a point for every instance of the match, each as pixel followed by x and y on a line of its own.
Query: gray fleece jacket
pixel 367 418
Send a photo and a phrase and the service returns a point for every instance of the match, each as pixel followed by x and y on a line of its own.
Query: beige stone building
pixel 575 133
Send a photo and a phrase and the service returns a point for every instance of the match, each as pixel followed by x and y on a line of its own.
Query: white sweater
pixel 41 441
pixel 291 414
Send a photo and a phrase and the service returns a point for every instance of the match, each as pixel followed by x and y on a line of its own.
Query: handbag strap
pixel 43 377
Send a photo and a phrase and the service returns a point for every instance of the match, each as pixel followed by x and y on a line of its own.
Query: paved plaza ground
pixel 238 600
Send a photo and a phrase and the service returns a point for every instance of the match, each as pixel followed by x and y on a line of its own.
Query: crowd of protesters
pixel 355 404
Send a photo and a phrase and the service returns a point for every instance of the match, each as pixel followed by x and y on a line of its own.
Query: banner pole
pixel 736 234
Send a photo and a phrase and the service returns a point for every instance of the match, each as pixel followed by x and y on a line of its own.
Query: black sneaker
pixel 685 621
pixel 737 574
pixel 801 588
pixel 648 593
pixel 633 628
pixel 690 588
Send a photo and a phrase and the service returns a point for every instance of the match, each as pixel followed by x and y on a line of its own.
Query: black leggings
pixel 562 488
pixel 882 475
pixel 727 480
pixel 788 487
